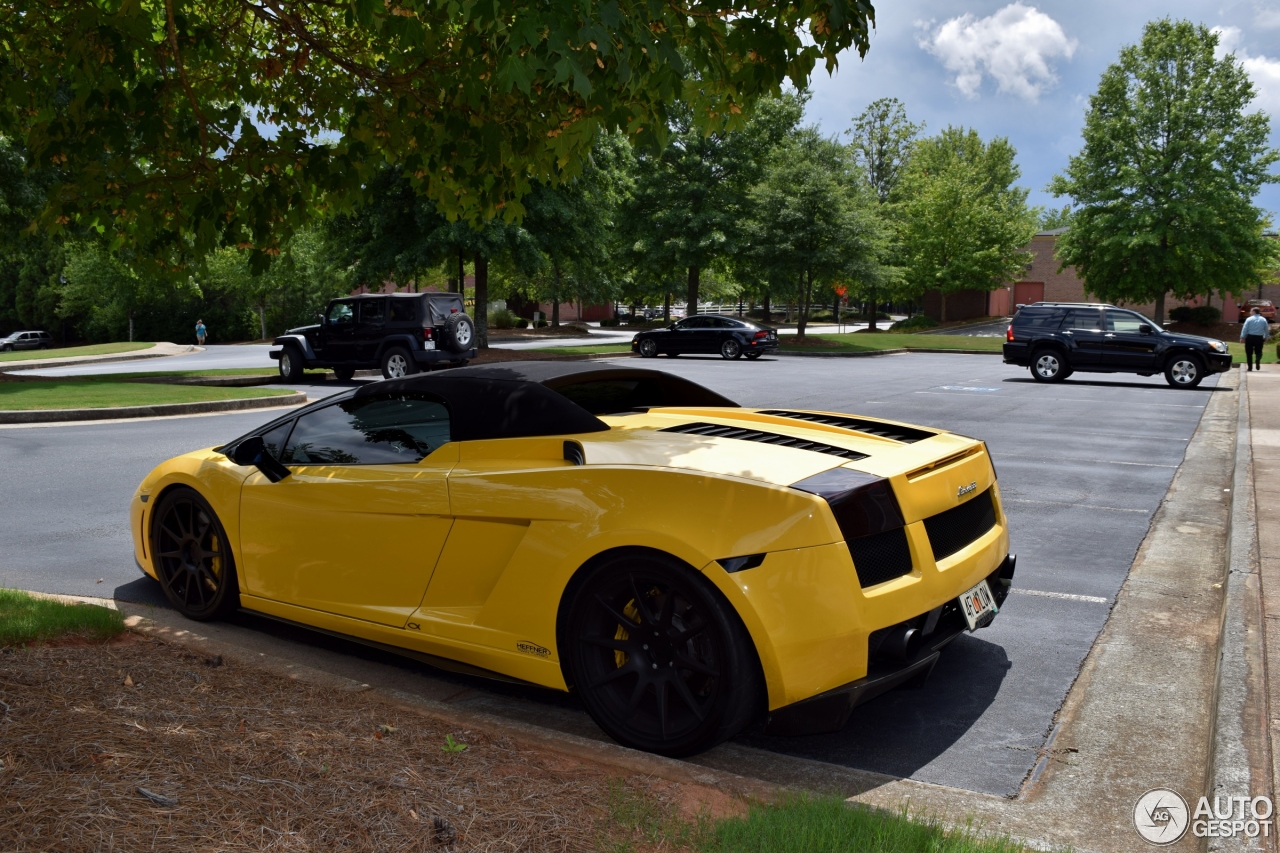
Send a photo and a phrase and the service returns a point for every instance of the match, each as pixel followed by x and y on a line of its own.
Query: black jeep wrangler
pixel 401 333
pixel 1055 339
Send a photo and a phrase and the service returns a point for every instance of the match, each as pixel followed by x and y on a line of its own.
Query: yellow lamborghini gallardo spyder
pixel 684 565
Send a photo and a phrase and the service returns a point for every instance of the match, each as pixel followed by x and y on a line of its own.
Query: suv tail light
pixel 1008 335
pixel 426 333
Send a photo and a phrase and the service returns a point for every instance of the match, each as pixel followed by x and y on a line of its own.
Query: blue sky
pixel 1025 70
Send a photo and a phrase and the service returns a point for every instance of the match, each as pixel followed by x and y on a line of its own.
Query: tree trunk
pixel 1159 318
pixel 805 296
pixel 765 307
pixel 555 300
pixel 666 309
pixel 462 274
pixel 130 327
pixel 262 321
pixel 481 316
pixel 692 305
pixel 875 309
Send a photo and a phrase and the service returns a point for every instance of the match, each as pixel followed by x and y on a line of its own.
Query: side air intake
pixel 906 435
pixel 722 431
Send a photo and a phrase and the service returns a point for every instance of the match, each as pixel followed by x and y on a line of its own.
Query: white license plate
pixel 431 344
pixel 978 605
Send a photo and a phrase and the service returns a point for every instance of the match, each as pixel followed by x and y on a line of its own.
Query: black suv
pixel 1055 339
pixel 401 333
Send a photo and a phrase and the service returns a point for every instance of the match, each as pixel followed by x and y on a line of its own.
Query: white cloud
pixel 1013 46
pixel 1262 70
pixel 1268 18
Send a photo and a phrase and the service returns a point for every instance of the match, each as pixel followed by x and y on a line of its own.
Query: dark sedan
pixel 707 333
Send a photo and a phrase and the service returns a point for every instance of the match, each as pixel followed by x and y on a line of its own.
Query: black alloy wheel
pixel 660 660
pixel 192 557
pixel 344 374
pixel 291 365
pixel 1184 370
pixel 648 348
pixel 731 349
pixel 1049 365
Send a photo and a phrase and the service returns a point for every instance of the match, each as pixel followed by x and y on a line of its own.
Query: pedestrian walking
pixel 201 332
pixel 1253 332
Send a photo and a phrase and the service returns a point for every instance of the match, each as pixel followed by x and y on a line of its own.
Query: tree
pixel 689 202
pixel 1164 185
pixel 813 220
pixel 1052 219
pixel 177 126
pixel 881 141
pixel 963 223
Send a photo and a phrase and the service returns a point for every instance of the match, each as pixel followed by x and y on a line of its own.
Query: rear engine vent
pixel 881 557
pixel 954 529
pixel 907 435
pixel 722 431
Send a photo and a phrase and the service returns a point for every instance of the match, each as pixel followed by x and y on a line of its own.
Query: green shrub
pixel 608 321
pixel 502 318
pixel 1205 315
pixel 540 324
pixel 1181 314
pixel 920 321
pixel 522 323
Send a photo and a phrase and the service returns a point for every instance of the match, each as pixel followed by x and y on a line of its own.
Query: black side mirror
pixel 1144 329
pixel 322 318
pixel 252 451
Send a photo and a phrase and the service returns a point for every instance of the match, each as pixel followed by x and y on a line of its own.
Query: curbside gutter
pixel 42 416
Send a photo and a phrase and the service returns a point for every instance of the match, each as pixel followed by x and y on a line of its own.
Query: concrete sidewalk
pixel 1264 416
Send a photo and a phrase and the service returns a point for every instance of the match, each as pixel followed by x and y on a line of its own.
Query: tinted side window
pixel 373 310
pixel 402 310
pixel 1123 321
pixel 369 431
pixel 1038 318
pixel 1083 318
pixel 341 312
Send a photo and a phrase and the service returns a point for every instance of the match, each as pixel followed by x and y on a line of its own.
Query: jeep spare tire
pixel 460 332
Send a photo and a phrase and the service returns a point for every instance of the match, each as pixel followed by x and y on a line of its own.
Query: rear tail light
pixel 759 335
pixel 1008 335
pixel 426 333
pixel 863 504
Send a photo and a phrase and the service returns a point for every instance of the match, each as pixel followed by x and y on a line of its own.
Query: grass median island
pixel 28 619
pixel 873 342
pixel 22 396
pixel 70 352
pixel 586 350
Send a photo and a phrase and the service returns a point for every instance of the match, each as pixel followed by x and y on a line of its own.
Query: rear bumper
pixel 829 711
pixel 431 356
pixel 1017 353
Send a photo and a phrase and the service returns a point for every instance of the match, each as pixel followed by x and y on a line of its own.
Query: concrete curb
pixel 899 351
pixel 92 359
pixel 42 416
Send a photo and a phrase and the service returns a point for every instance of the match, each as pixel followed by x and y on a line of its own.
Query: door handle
pixel 1108 335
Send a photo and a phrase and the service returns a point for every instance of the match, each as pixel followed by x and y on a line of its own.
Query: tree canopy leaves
pixel 1164 186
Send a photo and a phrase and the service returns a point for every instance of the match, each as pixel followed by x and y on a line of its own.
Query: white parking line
pixel 1090 599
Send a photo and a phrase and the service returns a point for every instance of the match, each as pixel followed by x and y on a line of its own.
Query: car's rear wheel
pixel 730 349
pixel 1184 371
pixel 291 365
pixel 660 659
pixel 397 363
pixel 648 348
pixel 344 374
pixel 1049 365
pixel 192 556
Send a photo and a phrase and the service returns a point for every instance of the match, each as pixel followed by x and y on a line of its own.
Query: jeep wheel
pixel 1184 371
pixel 460 332
pixel 1049 365
pixel 291 365
pixel 397 363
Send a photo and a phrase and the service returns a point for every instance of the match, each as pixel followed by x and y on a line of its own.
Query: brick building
pixel 1044 283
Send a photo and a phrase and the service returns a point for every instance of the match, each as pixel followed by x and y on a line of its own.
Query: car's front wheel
pixel 648 348
pixel 1049 365
pixel 192 556
pixel 660 659
pixel 730 349
pixel 291 365
pixel 397 363
pixel 1184 371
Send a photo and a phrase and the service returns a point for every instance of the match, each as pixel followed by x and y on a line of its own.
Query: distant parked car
pixel 1264 306
pixel 704 333
pixel 26 340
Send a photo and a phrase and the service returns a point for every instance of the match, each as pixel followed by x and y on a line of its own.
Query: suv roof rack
pixel 1072 305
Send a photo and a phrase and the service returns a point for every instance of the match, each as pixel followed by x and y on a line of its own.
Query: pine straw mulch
pixel 140 744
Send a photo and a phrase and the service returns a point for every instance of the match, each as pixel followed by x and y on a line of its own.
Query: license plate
pixel 979 606
pixel 431 344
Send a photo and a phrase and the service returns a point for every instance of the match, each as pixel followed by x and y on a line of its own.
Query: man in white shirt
pixel 1253 332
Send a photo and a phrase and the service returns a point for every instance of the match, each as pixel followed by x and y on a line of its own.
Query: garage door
pixel 1026 292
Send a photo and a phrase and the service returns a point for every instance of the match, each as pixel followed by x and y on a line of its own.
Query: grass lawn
pixel 586 350
pixel 863 342
pixel 68 352
pixel 1237 352
pixel 26 619
pixel 101 394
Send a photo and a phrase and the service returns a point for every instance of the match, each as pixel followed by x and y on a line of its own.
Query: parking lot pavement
pixel 1083 465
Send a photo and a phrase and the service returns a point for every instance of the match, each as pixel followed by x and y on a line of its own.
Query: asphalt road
pixel 1083 466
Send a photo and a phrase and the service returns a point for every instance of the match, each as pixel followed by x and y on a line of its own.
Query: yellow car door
pixel 357 527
